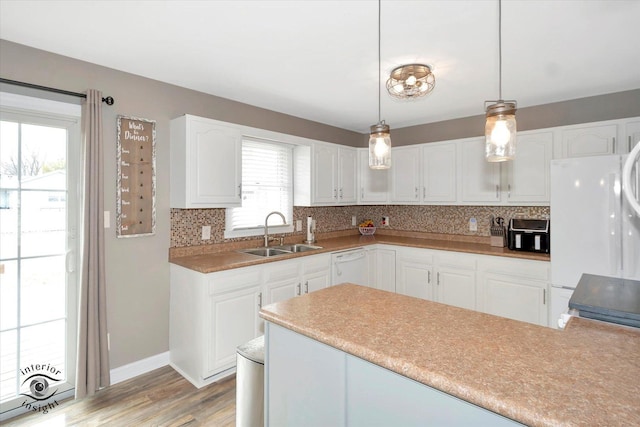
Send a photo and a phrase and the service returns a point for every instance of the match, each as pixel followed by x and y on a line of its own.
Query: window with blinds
pixel 267 186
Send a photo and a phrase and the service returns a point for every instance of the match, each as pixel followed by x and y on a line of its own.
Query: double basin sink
pixel 280 250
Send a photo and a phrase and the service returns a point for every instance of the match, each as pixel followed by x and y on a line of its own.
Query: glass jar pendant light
pixel 500 127
pixel 380 136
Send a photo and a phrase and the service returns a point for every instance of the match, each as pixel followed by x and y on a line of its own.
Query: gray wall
pixel 137 268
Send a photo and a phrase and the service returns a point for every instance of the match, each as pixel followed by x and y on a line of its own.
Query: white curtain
pixel 92 371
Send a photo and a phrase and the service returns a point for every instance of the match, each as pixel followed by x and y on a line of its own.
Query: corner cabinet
pixel 206 163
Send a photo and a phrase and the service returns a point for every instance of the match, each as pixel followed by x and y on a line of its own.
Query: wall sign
pixel 136 204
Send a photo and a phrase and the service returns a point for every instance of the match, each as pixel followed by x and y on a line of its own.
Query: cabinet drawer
pixel 231 280
pixel 537 270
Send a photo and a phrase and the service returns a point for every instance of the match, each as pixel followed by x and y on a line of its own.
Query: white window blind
pixel 267 186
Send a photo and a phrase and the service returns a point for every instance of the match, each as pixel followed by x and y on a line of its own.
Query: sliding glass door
pixel 39 215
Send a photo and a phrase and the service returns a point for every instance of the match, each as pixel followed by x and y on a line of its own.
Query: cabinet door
pixel 316 272
pixel 214 165
pixel 233 320
pixel 382 269
pixel 325 184
pixel 632 130
pixel 589 141
pixel 405 174
pixel 347 174
pixel 439 173
pixel 414 279
pixel 515 298
pixel 528 174
pixel 281 281
pixel 316 281
pixel 480 180
pixel 373 183
pixel 456 287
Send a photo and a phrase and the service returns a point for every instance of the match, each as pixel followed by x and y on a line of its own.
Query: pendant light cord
pixel 379 61
pixel 500 48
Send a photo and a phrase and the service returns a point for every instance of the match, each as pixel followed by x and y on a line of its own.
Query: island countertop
pixel 585 375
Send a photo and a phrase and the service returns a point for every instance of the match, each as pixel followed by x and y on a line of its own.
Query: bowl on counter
pixel 367 231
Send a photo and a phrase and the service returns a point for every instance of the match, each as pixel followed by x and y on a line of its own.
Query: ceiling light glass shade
pixel 380 146
pixel 411 81
pixel 500 131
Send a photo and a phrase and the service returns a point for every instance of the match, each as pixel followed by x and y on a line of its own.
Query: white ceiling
pixel 319 59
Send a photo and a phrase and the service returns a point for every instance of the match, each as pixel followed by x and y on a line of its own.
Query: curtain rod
pixel 108 100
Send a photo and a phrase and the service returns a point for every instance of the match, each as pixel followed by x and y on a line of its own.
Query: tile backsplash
pixel 186 224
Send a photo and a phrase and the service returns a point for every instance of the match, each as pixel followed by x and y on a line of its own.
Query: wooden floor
pixel 159 398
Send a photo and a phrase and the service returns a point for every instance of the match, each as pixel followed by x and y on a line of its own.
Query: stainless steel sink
pixel 299 247
pixel 266 252
pixel 280 250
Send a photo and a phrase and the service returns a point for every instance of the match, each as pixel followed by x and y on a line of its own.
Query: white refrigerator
pixel 593 228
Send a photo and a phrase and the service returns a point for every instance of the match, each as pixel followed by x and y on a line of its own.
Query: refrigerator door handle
pixel 615 225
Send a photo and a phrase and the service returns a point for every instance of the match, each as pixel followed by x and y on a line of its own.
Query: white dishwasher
pixel 350 266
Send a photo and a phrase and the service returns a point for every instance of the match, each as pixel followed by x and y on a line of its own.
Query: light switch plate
pixel 473 224
pixel 206 232
pixel 354 220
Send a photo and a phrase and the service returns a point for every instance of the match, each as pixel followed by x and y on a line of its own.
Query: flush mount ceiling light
pixel 380 136
pixel 500 128
pixel 411 81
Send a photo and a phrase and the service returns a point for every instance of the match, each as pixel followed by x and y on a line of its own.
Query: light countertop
pixel 225 260
pixel 585 375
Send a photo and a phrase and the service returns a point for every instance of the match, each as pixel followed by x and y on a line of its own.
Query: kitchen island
pixel 586 374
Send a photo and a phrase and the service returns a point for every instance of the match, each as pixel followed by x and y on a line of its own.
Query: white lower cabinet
pixel 212 314
pixel 447 277
pixel 382 268
pixel 514 288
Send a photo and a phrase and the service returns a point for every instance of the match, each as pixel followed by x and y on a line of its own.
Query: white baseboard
pixel 139 367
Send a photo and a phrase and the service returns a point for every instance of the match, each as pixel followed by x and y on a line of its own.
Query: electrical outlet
pixel 298 225
pixel 473 224
pixel 206 232
pixel 385 221
pixel 354 220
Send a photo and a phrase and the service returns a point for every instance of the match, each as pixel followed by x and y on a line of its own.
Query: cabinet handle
pixel 306 287
pixel 438 278
pixel 362 193
pixel 240 190
pixel 340 193
pixel 614 144
pixel 428 277
pixel 497 191
pixel 508 191
pixel 424 192
pixel 544 297
pixel 416 192
pixel 260 300
pixel 299 286
pixel 335 193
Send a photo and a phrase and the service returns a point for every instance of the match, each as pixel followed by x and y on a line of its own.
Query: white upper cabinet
pixel 206 163
pixel 373 183
pixel 528 175
pixel 347 175
pixel 632 133
pixel 439 172
pixel 405 175
pixel 589 140
pixel 479 180
pixel 325 175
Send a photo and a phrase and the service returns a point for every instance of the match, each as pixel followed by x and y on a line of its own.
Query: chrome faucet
pixel 266 226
